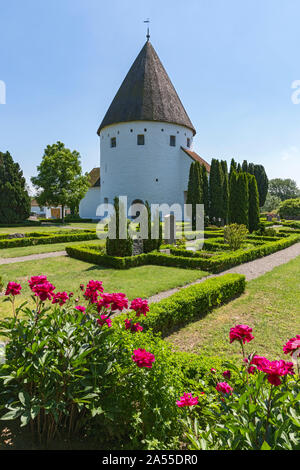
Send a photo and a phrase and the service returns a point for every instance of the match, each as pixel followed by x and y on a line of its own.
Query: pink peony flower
pixel 259 361
pixel 140 306
pixel 37 280
pixel 60 298
pixel 80 308
pixel 241 333
pixel 119 302
pixel 44 290
pixel 104 302
pixel 92 291
pixel 276 369
pixel 227 374
pixel 133 327
pixel 292 345
pixel 13 288
pixel 213 371
pixel 224 387
pixel 142 358
pixel 104 320
pixel 187 400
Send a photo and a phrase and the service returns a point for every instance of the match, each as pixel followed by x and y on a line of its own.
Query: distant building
pixel 146 141
pixel 88 205
pixel 47 212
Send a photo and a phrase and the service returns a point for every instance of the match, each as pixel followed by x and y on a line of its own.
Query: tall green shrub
pixel 253 204
pixel 14 198
pixel 216 190
pixel 118 246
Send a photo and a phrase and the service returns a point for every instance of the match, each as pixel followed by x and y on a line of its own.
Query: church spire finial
pixel 148 32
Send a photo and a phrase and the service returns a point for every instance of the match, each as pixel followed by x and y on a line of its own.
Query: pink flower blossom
pixel 60 298
pixel 142 358
pixel 104 320
pixel 119 301
pixel 224 387
pixel 259 361
pixel 133 327
pixel 241 333
pixel 34 280
pixel 92 290
pixel 80 308
pixel 187 400
pixel 276 369
pixel 140 306
pixel 105 301
pixel 213 371
pixel 227 374
pixel 13 288
pixel 44 291
pixel 292 345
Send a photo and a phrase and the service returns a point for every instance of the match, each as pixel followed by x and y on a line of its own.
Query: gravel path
pixel 251 270
pixel 22 259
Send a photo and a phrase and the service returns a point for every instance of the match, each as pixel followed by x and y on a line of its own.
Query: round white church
pixel 146 141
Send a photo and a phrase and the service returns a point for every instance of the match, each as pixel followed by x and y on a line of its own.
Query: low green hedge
pixel 92 254
pixel 193 302
pixel 39 239
pixel 215 264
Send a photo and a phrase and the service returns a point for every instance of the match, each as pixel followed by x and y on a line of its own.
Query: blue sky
pixel 232 63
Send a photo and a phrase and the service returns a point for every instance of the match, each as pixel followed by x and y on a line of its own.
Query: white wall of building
pixel 155 172
pixel 88 205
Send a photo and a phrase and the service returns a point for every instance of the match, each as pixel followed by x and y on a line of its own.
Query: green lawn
pixel 67 274
pixel 30 250
pixel 271 306
pixel 48 228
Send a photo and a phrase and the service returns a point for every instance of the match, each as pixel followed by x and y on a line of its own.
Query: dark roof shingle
pixel 147 94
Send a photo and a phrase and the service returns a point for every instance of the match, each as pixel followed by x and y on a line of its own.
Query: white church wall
pixel 88 205
pixel 155 172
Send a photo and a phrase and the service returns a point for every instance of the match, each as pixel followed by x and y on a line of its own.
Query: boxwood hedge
pixel 193 302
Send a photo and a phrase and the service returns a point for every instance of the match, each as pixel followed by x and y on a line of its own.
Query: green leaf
pixel 265 446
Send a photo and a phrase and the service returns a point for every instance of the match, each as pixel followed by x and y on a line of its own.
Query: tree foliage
pixel 14 198
pixel 284 188
pixel 216 190
pixel 60 180
pixel 253 203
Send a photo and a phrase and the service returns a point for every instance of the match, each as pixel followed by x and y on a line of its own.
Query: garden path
pixel 251 270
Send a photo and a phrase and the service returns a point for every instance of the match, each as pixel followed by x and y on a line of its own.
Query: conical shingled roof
pixel 147 94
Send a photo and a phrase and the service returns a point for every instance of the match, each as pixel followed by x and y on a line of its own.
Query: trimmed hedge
pixel 193 302
pixel 42 239
pixel 92 254
pixel 215 264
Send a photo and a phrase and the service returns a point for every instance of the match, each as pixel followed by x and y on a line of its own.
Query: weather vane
pixel 148 32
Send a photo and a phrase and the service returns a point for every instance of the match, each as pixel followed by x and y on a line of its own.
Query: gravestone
pixel 170 229
pixel 137 247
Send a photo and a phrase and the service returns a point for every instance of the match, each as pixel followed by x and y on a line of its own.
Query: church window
pixel 188 142
pixel 113 142
pixel 172 140
pixel 141 139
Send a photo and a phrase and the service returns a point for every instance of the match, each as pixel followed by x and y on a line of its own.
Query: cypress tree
pixel 253 204
pixel 262 183
pixel 205 188
pixel 194 193
pixel 225 191
pixel 239 199
pixel 239 168
pixel 233 197
pixel 14 198
pixel 216 190
pixel 245 166
pixel 233 167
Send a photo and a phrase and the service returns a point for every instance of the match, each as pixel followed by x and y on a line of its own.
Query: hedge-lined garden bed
pixel 44 238
pixel 181 258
